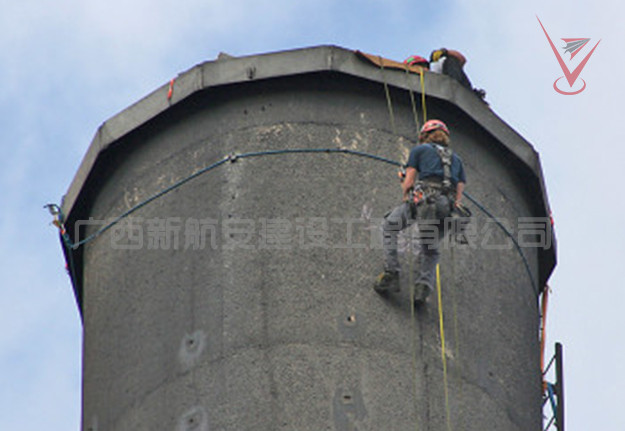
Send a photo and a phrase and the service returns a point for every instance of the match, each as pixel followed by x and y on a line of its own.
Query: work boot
pixel 388 281
pixel 421 292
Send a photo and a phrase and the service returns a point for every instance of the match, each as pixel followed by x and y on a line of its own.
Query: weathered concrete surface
pixel 272 323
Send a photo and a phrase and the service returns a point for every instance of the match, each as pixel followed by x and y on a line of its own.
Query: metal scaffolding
pixel 553 393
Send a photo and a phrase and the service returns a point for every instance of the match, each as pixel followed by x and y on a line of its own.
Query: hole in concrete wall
pixel 192 342
pixel 195 419
pixel 191 349
pixel 350 326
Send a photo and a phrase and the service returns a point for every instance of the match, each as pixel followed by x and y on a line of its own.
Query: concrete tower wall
pixel 266 330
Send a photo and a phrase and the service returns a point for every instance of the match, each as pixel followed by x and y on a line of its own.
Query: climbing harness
pixel 445 153
pixel 441 194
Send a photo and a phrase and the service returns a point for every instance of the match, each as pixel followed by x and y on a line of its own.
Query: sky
pixel 67 66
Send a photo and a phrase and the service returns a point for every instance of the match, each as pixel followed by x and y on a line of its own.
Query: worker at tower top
pixel 432 188
pixel 451 63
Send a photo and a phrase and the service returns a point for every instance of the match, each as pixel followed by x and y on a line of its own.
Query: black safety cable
pixel 230 158
pixel 233 158
pixel 507 232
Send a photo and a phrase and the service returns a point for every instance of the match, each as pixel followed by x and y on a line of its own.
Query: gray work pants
pixel 431 231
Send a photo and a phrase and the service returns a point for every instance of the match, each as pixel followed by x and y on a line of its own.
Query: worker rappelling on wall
pixel 432 188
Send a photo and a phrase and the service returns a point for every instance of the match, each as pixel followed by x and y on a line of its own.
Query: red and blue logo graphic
pixel 573 46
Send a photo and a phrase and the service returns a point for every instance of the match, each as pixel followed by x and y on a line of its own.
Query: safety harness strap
pixel 445 154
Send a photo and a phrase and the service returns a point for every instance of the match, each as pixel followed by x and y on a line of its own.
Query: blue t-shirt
pixel 425 159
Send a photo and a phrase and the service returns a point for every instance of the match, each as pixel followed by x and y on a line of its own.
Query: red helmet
pixel 432 125
pixel 416 60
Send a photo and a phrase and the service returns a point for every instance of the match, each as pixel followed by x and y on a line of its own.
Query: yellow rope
pixel 412 292
pixel 454 302
pixel 413 103
pixel 454 292
pixel 443 355
pixel 389 103
pixel 411 273
pixel 414 355
pixel 425 114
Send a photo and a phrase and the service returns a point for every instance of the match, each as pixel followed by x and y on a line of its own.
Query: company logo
pixel 573 46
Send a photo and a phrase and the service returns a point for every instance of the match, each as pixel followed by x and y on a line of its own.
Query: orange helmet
pixel 432 125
